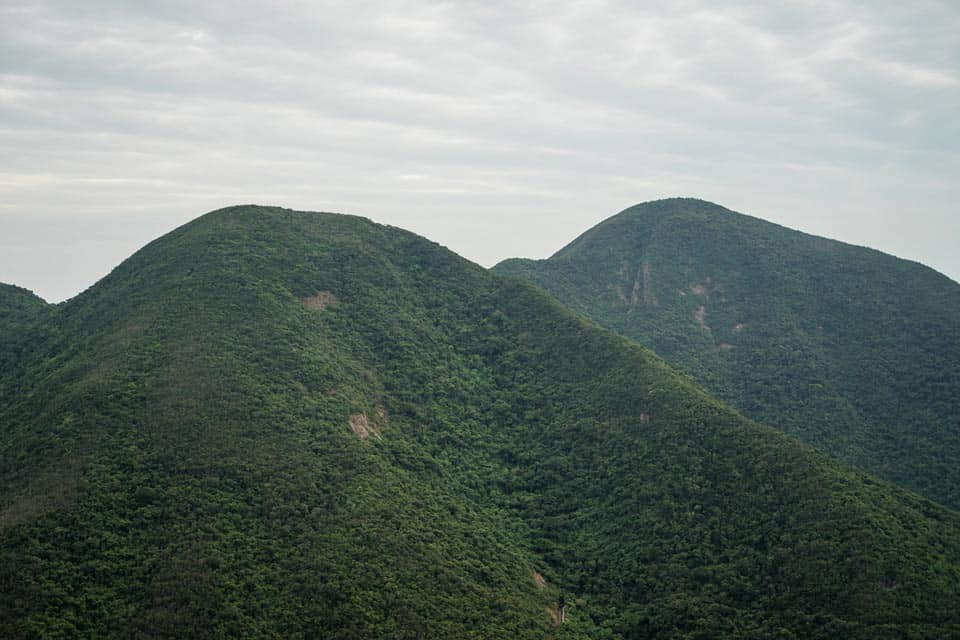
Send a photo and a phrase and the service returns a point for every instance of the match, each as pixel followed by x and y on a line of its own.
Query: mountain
pixel 21 314
pixel 849 349
pixel 20 310
pixel 18 305
pixel 270 423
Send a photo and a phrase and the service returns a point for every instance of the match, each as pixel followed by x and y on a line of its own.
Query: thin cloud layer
pixel 497 129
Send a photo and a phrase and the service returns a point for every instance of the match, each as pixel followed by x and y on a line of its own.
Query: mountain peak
pixel 845 347
pixel 274 423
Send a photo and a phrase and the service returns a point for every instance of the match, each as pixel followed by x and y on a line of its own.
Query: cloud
pixel 523 123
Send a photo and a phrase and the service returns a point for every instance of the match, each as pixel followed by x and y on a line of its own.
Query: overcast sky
pixel 498 129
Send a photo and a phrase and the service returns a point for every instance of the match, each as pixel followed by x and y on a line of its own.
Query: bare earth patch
pixel 642 289
pixel 649 297
pixel 321 301
pixel 364 426
pixel 702 288
pixel 701 315
pixel 540 580
pixel 361 426
pixel 554 615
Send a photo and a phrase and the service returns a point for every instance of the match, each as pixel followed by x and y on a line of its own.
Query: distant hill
pixel 19 308
pixel 21 315
pixel 852 350
pixel 270 423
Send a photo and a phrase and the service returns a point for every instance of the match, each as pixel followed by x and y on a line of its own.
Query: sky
pixel 498 129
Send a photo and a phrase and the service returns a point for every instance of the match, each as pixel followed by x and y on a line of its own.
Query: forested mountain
pixel 849 349
pixel 21 313
pixel 270 423
pixel 18 305
pixel 19 310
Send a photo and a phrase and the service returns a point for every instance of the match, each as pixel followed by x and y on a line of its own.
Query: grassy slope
pixel 849 349
pixel 178 456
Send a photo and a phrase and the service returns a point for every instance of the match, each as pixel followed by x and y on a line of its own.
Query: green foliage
pixel 21 311
pixel 180 456
pixel 849 349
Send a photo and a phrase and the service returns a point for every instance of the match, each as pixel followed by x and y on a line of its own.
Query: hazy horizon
pixel 498 130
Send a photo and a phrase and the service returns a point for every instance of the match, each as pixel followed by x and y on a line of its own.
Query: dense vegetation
pixel 277 424
pixel 849 349
pixel 20 312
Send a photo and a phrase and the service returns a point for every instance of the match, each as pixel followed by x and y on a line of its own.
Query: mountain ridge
pixel 724 210
pixel 777 321
pixel 199 409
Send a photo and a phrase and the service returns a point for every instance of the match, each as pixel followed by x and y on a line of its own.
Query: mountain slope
pixel 18 305
pixel 849 349
pixel 22 314
pixel 272 423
